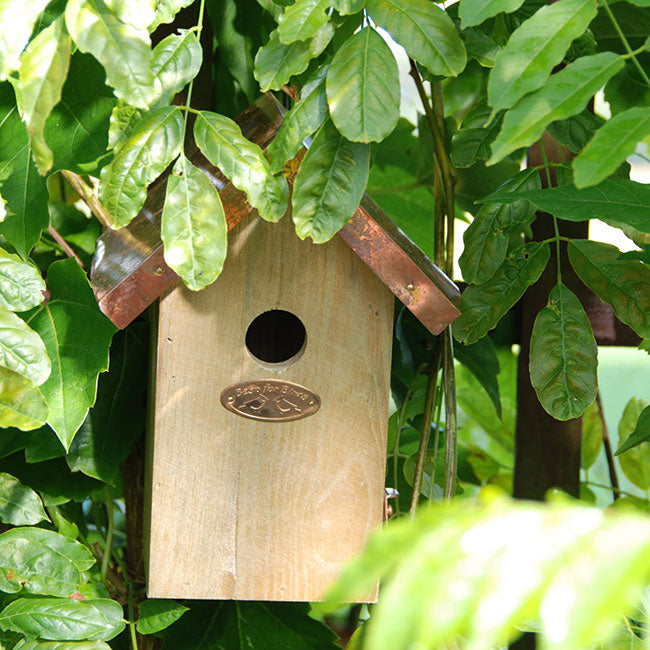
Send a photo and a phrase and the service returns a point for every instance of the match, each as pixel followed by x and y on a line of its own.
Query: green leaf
pixel 486 239
pixel 77 129
pixel 301 20
pixel 43 71
pixel 194 229
pixel 640 434
pixel 305 118
pixel 243 162
pixel 475 12
pixel 19 504
pixel 62 645
pixel 565 94
pixel 329 184
pixel 535 48
pixel 64 619
pixel 592 436
pixel 38 561
pixel 21 284
pixel 348 7
pixel 122 48
pixel 117 420
pixel 166 10
pixel 176 61
pixel 155 615
pixel 276 62
pixel 481 358
pixel 239 625
pixel 77 337
pixel 21 403
pixel 621 283
pixel 482 307
pixel 21 349
pixel 425 31
pixel 123 120
pixel 480 47
pixel 21 186
pixel 612 144
pixel 576 131
pixel 472 141
pixel 138 161
pixel 635 462
pixel 18 17
pixel 139 13
pixel 563 356
pixel 363 88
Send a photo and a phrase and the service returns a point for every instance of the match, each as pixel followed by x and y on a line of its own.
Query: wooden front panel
pixel 268 510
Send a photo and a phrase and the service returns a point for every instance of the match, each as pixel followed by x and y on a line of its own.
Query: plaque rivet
pixel 410 287
pixel 158 271
pixel 230 398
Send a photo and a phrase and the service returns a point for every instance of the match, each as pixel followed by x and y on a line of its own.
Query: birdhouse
pixel 267 449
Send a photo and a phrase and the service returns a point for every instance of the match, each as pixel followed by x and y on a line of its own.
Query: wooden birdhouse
pixel 268 440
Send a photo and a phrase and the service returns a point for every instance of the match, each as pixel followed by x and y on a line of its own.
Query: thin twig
pixel 109 537
pixel 290 91
pixel 67 249
pixel 451 423
pixel 611 467
pixel 86 195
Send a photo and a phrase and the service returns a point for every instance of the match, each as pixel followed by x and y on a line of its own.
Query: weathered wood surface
pixel 268 511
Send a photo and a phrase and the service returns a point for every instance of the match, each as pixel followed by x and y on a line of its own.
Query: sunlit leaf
pixel 565 94
pixel 122 48
pixel 346 7
pixel 301 20
pixel 621 283
pixel 425 31
pixel 612 144
pixel 21 284
pixel 474 12
pixel 563 356
pixel 155 615
pixel 329 184
pixel 43 70
pixel 38 561
pixel 243 162
pixel 363 89
pixel 276 62
pixel 139 13
pixel 139 160
pixel 640 434
pixel 535 48
pixel 19 504
pixel 166 10
pixel 62 645
pixel 194 229
pixel 483 306
pixel 64 619
pixel 635 462
pixel 77 337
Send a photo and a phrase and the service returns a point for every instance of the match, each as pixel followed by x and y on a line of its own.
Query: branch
pixel 67 249
pixel 86 195
pixel 613 479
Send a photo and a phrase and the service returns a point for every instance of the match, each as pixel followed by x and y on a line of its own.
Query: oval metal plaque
pixel 270 400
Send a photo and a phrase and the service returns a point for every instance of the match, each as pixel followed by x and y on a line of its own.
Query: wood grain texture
pixel 256 510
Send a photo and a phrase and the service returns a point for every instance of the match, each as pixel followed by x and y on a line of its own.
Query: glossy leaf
pixel 243 162
pixel 19 504
pixel 363 89
pixel 304 119
pixel 21 285
pixel 276 62
pixel 124 119
pixel 474 12
pixel 18 17
pixel 621 283
pixel 21 186
pixel 472 141
pixel 301 20
pixel 43 71
pixel 635 462
pixel 156 614
pixel 640 434
pixel 122 48
pixel 482 307
pixel 176 61
pixel 21 403
pixel 21 349
pixel 486 238
pixel 62 645
pixel 480 47
pixel 194 228
pixel 166 10
pixel 77 337
pixel 612 144
pixel 565 94
pixel 346 7
pixel 576 131
pixel 64 619
pixel 425 31
pixel 139 13
pixel 329 184
pixel 535 48
pixel 592 436
pixel 563 356
pixel 117 420
pixel 138 161
pixel 38 561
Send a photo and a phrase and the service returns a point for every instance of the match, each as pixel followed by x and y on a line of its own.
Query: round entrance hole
pixel 276 336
